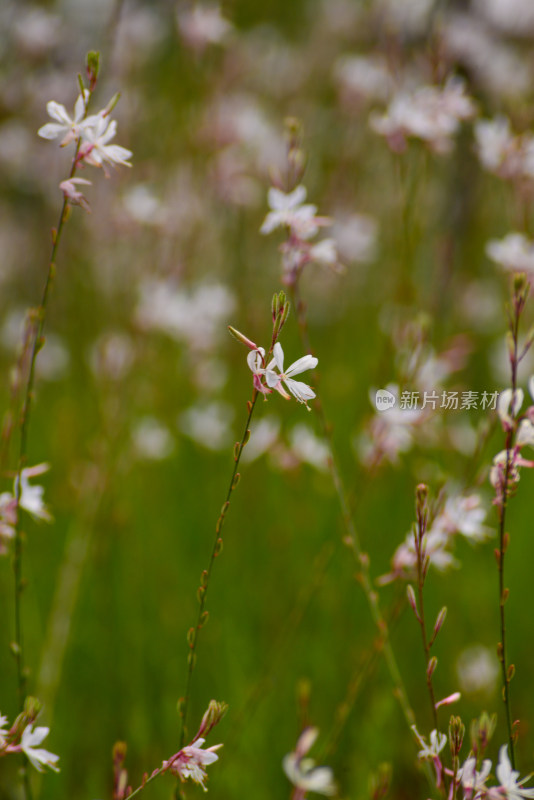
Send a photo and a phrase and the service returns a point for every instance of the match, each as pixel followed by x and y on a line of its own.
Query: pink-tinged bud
pixel 242 338
pixel 447 701
pixel 71 194
pixel 432 664
pixel 411 599
pixel 211 718
pixel 440 620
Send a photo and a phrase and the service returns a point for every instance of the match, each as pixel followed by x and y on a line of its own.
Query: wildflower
pixel 69 127
pixel 429 113
pixel 432 751
pixel 70 192
pixel 514 252
pixel 4 728
pixel 256 362
pixel 500 151
pixel 473 782
pixel 191 760
pixel 303 773
pixel 301 391
pixel 95 149
pixel 38 758
pixel 31 497
pixel 437 743
pixel 202 25
pixel 477 669
pixel 508 405
pixel 288 210
pixel 513 789
pixel 8 519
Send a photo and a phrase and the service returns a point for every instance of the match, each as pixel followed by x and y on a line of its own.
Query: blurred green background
pixel 125 398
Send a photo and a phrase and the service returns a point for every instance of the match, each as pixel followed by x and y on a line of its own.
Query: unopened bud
pixel 211 718
pixel 440 620
pixel 432 664
pixel 93 66
pixel 447 701
pixel 242 338
pixel 411 599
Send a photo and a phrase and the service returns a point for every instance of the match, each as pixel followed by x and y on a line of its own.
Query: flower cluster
pixel 472 781
pixel 430 113
pixel 504 473
pixel 288 210
pixel 30 499
pixel 303 773
pixel 190 761
pixel 92 136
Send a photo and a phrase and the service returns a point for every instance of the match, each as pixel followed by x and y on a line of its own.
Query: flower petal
pixel 301 365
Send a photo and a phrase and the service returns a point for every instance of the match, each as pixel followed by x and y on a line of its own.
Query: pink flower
pixel 95 149
pixel 190 761
pixel 72 194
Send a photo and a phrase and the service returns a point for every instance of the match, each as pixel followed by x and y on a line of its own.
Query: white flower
pixel 203 25
pixel 508 405
pixel 69 127
pixel 437 743
pixel 301 391
pixel 303 773
pixel 324 252
pixel 525 433
pixel 31 497
pixel 514 252
pixel 191 760
pixel 429 113
pixel 95 149
pixel 464 515
pixel 472 780
pixel 507 777
pixel 477 669
pixel 3 723
pixel 38 758
pixel 287 209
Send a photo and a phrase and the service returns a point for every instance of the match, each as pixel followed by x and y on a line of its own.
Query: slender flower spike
pixel 301 391
pixel 191 760
pixel 68 127
pixel 507 777
pixel 38 757
pixel 303 773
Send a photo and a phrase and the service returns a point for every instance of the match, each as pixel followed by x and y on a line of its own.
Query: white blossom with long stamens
pixel 301 391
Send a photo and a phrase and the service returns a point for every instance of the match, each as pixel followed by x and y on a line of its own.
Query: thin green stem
pixel 502 550
pixel 352 539
pixel 206 575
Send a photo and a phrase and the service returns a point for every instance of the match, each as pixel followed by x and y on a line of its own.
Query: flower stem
pixel 502 507
pixel 422 565
pixel 194 633
pixel 352 539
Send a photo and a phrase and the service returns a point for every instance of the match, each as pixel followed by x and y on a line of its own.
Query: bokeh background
pixel 141 392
